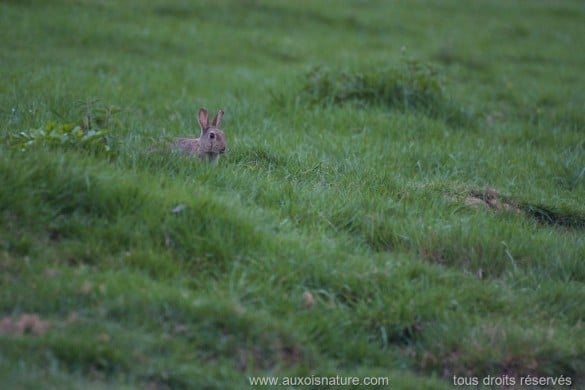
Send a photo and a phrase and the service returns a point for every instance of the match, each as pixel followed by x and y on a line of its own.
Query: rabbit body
pixel 211 142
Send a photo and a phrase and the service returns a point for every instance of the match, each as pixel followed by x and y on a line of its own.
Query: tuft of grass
pixel 412 86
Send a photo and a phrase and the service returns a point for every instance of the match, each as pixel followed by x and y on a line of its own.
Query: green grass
pixel 417 167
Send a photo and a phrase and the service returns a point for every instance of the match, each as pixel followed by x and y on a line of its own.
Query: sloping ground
pixel 377 216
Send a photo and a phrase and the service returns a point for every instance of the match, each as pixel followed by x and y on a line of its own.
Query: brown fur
pixel 211 142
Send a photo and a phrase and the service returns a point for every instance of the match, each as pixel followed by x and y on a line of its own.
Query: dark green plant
pixel 91 133
pixel 98 113
pixel 55 134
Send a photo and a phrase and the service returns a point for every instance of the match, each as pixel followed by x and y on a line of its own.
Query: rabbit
pixel 211 142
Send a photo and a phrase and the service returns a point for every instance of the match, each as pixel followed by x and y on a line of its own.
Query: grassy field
pixel 403 196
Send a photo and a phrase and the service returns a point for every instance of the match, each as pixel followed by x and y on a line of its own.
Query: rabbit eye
pixel 212 135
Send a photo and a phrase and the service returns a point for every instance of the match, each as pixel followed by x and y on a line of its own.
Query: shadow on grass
pixel 544 215
pixel 549 216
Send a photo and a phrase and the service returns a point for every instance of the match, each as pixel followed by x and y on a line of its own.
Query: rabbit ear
pixel 217 119
pixel 203 119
